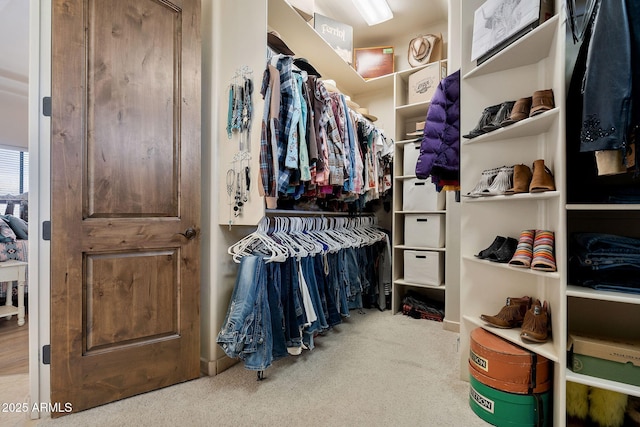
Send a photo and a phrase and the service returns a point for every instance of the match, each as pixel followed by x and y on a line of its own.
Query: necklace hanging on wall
pixel 239 121
pixel 240 113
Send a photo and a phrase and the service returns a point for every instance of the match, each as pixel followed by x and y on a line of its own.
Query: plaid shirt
pixel 335 147
pixel 287 81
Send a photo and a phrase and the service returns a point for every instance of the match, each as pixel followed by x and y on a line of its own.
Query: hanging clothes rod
pixel 291 212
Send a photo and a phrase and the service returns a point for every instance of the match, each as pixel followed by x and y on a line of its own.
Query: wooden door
pixel 125 210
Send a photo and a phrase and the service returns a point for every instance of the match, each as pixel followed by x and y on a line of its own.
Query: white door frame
pixel 39 201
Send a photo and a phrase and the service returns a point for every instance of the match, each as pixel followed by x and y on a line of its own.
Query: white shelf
pixel 420 248
pixel 528 50
pixel 303 40
pixel 405 177
pixel 8 310
pixel 546 349
pixel 603 207
pixel 589 293
pixel 547 195
pixel 403 282
pixel 628 389
pixel 408 141
pixel 505 266
pixel 411 110
pixel 532 126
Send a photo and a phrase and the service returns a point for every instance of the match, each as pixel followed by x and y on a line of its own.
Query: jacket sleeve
pixel 434 126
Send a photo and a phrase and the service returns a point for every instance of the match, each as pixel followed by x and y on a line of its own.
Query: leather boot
pixel 542 179
pixel 536 324
pixel 488 114
pixel 503 112
pixel 511 315
pixel 542 101
pixel 520 111
pixel 521 180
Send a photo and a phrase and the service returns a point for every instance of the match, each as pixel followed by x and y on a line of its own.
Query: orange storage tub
pixel 500 364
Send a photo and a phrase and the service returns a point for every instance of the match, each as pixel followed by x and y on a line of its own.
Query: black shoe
pixel 497 242
pixel 488 114
pixel 505 252
pixel 501 115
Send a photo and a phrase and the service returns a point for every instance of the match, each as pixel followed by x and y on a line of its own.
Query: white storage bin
pixel 424 230
pixel 421 195
pixel 410 157
pixel 424 267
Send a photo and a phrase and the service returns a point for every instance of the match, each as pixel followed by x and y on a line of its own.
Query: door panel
pixel 125 275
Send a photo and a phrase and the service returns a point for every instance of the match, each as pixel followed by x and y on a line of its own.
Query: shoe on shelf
pixel 520 111
pixel 487 116
pixel 521 180
pixel 502 182
pixel 542 101
pixel 536 324
pixel 524 250
pixel 486 180
pixel 505 252
pixel 497 242
pixel 503 112
pixel 544 251
pixel 511 315
pixel 542 178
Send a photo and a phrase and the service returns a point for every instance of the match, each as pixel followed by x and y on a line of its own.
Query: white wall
pixel 14 123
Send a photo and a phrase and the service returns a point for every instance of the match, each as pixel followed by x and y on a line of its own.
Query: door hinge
pixel 46 230
pixel 46 354
pixel 46 106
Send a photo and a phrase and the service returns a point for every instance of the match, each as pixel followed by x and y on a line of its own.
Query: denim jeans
pixel 351 278
pixel 246 331
pixel 291 308
pixel 275 306
pixel 605 251
pixel 327 291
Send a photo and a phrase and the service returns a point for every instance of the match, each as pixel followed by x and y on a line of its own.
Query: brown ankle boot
pixel 536 324
pixel 542 179
pixel 521 180
pixel 511 315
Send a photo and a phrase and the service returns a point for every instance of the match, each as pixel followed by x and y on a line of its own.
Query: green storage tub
pixel 509 409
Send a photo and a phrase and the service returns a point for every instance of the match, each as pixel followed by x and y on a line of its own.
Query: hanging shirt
pixel 305 174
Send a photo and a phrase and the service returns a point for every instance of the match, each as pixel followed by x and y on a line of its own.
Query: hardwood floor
pixel 14 346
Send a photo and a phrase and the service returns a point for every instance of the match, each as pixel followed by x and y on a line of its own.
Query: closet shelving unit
pixel 534 62
pixel 406 117
pixel 617 312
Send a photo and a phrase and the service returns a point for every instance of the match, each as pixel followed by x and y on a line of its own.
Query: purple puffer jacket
pixel 440 148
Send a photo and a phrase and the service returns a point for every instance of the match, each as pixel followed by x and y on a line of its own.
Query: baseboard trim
pixel 450 326
pixel 212 368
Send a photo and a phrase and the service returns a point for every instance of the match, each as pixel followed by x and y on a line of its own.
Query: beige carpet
pixel 14 390
pixel 376 369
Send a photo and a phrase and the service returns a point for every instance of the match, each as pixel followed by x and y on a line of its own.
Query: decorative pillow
pixel 18 225
pixel 6 233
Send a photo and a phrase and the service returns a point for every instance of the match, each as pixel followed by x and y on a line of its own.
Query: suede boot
pixel 511 315
pixel 542 179
pixel 521 180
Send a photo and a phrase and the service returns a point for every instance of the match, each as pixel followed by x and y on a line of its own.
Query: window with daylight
pixel 14 177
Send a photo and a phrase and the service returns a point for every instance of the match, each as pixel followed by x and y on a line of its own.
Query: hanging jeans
pixel 246 331
pixel 327 291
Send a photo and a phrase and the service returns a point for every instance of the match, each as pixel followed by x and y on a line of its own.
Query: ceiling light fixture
pixel 373 11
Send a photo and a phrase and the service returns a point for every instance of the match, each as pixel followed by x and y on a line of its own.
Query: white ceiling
pixel 409 16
